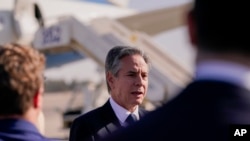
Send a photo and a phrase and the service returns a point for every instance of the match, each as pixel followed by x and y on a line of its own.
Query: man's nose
pixel 139 81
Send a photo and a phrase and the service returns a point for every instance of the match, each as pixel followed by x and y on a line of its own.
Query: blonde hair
pixel 21 76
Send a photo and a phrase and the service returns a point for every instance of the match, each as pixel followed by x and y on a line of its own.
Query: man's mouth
pixel 137 93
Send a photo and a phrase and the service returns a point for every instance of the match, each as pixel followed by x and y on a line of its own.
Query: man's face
pixel 130 86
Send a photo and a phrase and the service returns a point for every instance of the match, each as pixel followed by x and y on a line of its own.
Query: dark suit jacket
pixel 96 124
pixel 204 111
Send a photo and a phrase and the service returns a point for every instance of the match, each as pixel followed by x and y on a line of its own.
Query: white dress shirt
pixel 121 113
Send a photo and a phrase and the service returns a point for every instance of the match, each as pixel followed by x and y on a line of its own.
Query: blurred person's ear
pixel 192 28
pixel 37 100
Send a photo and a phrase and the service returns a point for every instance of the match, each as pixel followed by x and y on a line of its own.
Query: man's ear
pixel 37 100
pixel 110 79
pixel 192 31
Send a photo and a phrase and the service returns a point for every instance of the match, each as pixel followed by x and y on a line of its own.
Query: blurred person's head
pixel 127 71
pixel 21 82
pixel 220 26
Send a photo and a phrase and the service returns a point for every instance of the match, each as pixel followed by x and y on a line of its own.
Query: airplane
pixel 76 30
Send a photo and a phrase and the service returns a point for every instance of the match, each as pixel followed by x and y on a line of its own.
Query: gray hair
pixel 112 63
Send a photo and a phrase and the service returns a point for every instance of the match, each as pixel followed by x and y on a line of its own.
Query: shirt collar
pixel 224 71
pixel 18 124
pixel 24 130
pixel 120 112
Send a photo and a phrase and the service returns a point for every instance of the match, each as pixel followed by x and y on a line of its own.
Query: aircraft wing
pixel 156 21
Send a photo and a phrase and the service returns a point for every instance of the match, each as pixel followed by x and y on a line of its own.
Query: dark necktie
pixel 131 119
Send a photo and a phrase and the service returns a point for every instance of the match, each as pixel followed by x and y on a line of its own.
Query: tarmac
pixel 54 104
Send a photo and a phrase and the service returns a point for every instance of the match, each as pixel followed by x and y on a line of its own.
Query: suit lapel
pixel 110 121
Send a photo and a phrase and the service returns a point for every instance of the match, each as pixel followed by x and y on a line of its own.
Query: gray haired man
pixel 127 82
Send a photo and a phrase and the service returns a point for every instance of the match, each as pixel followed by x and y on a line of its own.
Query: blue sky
pixel 98 1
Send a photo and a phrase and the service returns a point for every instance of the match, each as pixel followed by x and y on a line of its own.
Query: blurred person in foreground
pixel 21 89
pixel 127 82
pixel 219 96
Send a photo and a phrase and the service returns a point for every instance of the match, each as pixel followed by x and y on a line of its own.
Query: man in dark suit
pixel 219 96
pixel 127 81
pixel 21 89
